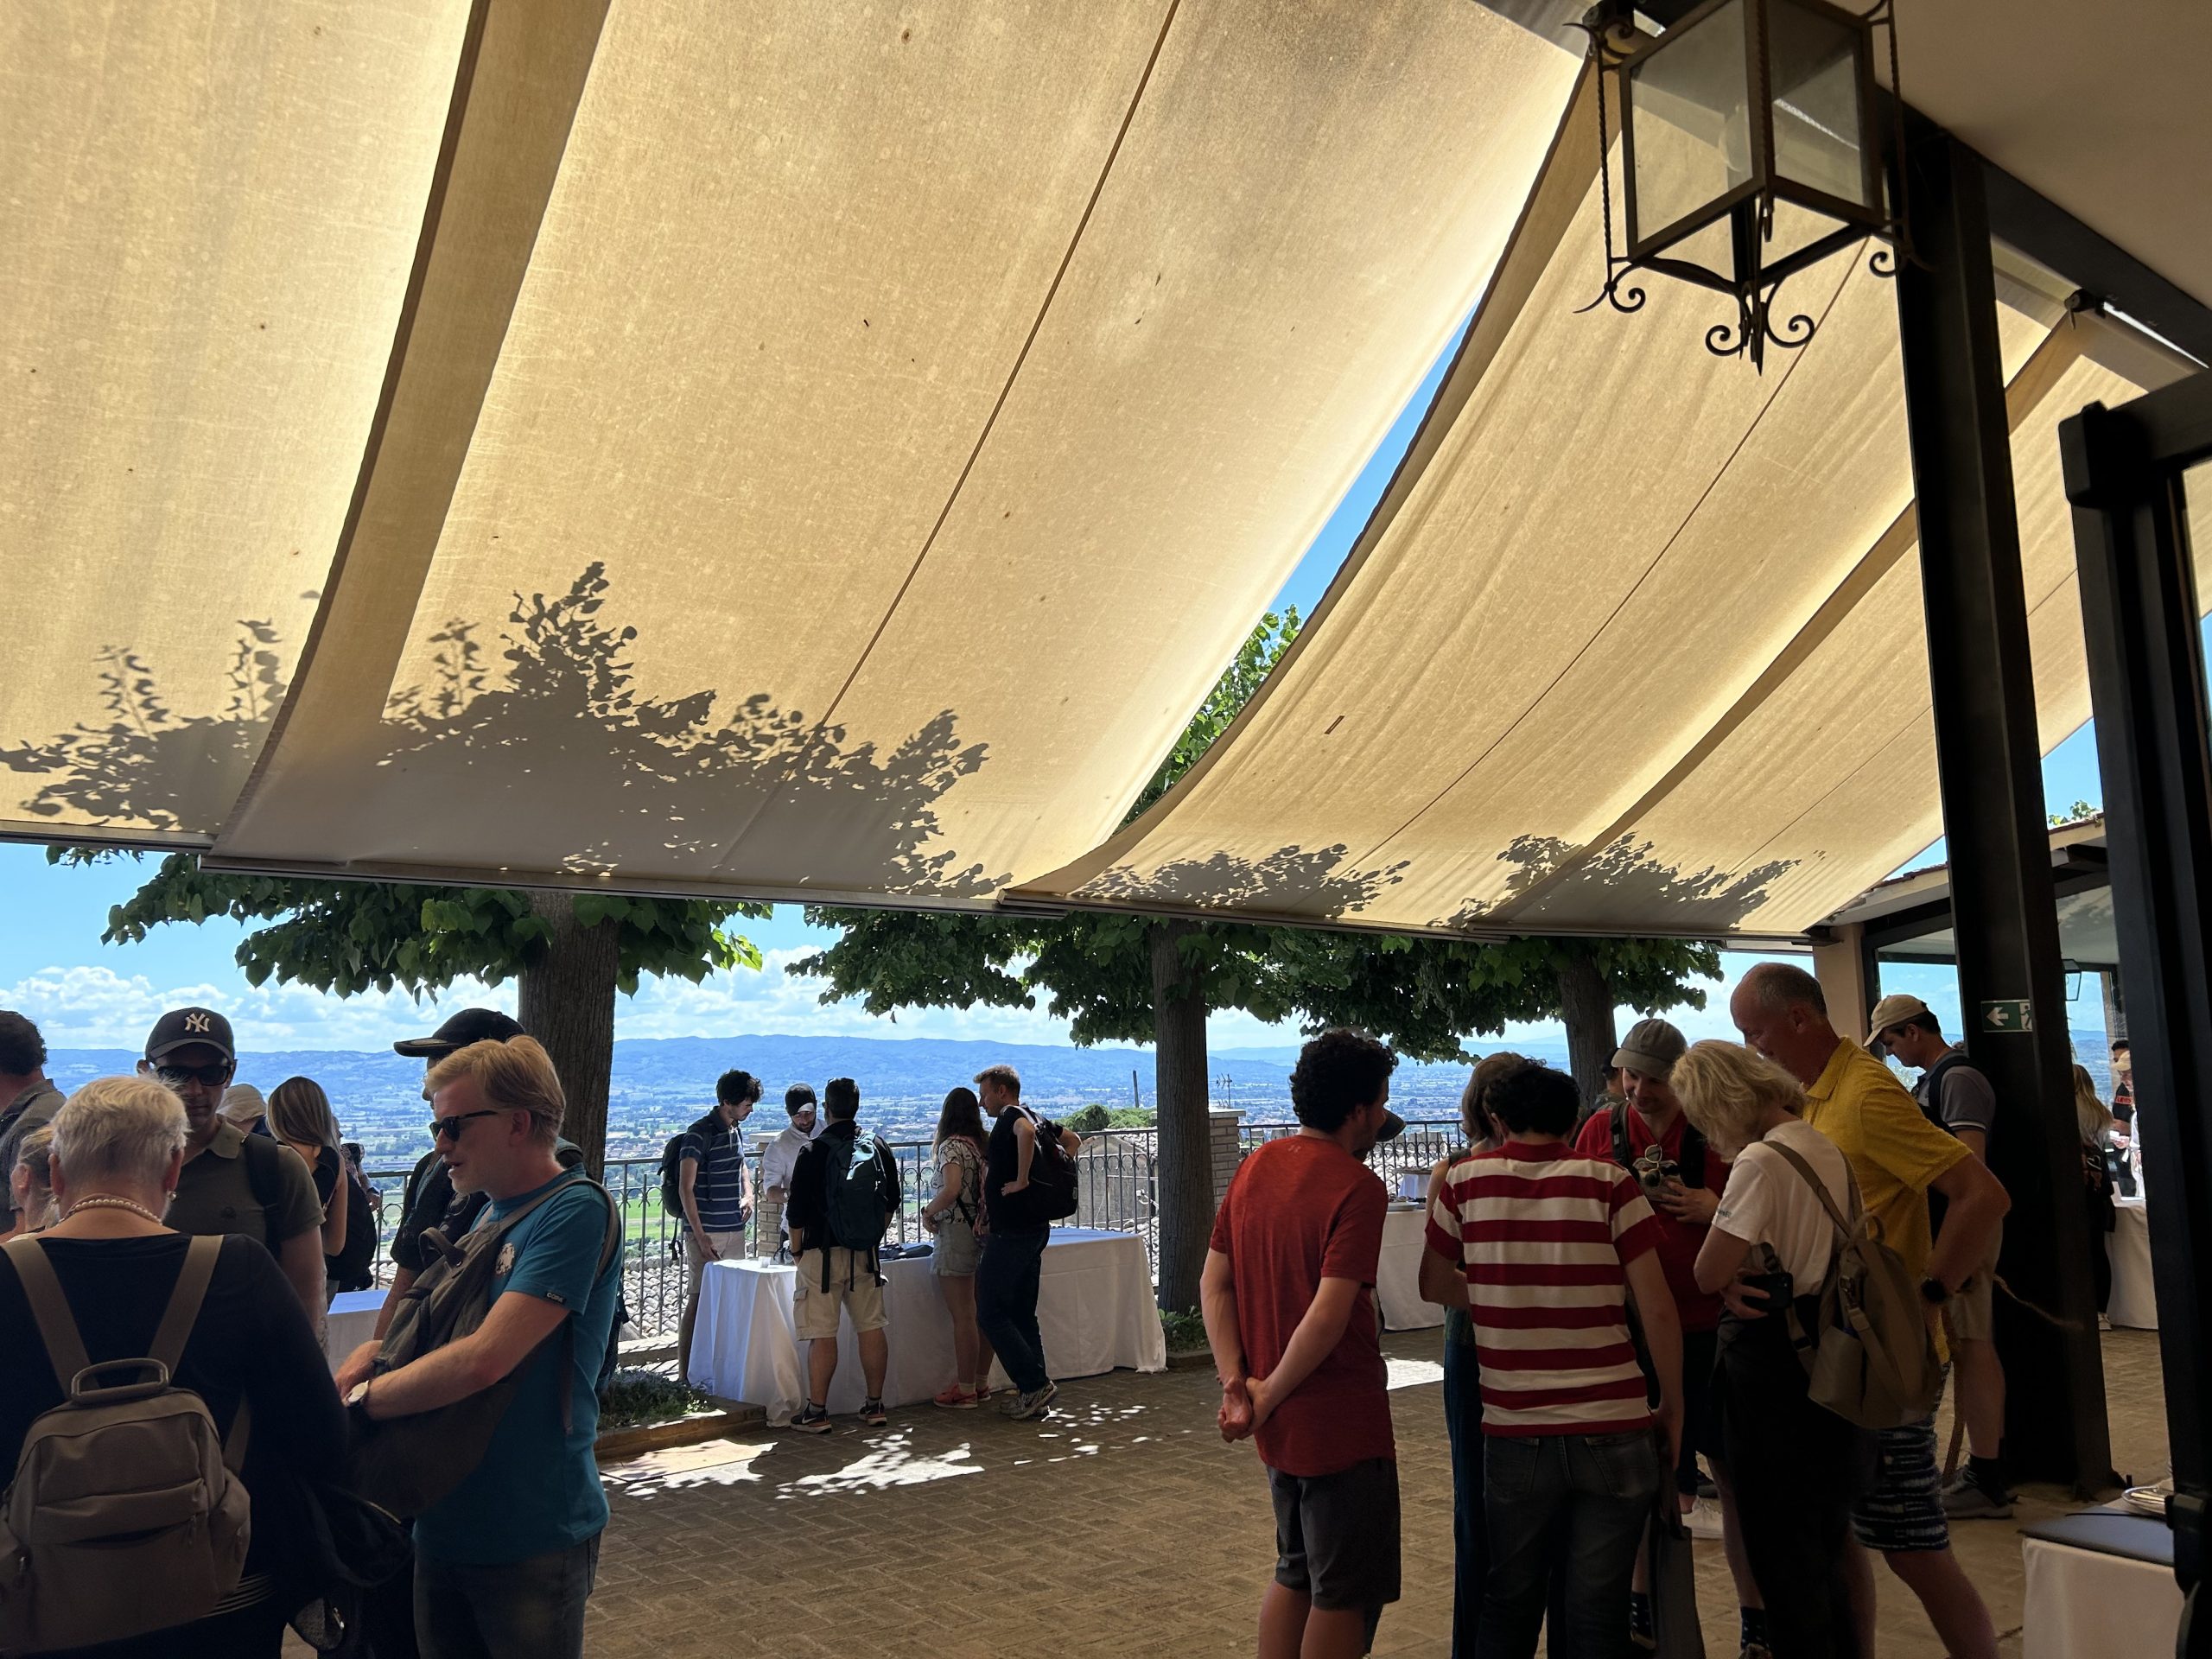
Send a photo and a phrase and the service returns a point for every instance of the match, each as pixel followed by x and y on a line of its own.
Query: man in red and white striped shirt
pixel 1545 1248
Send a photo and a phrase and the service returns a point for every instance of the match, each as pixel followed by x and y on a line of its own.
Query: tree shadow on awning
pixel 533 749
pixel 1289 880
pixel 1556 880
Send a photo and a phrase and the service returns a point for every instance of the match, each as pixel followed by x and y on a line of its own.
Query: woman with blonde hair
pixel 30 1186
pixel 1462 1397
pixel 118 1144
pixel 1795 1466
pixel 2096 1124
pixel 300 1117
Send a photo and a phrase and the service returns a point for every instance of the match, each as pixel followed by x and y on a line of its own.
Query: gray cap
pixel 1651 1050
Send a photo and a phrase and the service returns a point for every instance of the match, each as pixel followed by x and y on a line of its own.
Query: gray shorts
pixel 1969 1316
pixel 1337 1536
pixel 1903 1512
pixel 956 1250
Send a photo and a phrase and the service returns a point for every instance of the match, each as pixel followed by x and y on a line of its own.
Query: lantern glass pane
pixel 1820 123
pixel 1690 120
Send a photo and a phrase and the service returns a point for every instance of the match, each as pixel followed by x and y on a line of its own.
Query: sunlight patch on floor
pixel 890 1463
pixel 1412 1373
pixel 711 1463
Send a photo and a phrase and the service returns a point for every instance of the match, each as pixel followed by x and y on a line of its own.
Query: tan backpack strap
pixel 184 1302
pixel 1820 1188
pixel 57 1325
pixel 235 1442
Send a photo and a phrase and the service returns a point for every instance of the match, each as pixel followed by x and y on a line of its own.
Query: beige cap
pixel 1651 1050
pixel 242 1105
pixel 1893 1010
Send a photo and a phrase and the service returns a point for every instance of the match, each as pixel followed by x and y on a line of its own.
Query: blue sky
pixel 86 995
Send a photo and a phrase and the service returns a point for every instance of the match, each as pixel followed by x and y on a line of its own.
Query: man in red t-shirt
pixel 1289 1302
pixel 1649 1137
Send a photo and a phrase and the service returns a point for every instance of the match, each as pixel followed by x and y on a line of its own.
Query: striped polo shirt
pixel 1542 1232
pixel 721 1189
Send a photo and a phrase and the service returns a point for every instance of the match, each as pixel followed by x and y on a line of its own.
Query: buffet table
pixel 2133 1303
pixel 1095 1309
pixel 2100 1581
pixel 1397 1276
pixel 350 1322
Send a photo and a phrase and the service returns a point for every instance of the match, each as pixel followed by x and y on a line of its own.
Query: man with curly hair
pixel 1288 1295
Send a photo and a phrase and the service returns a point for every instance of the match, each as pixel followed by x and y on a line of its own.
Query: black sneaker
pixel 872 1414
pixel 813 1420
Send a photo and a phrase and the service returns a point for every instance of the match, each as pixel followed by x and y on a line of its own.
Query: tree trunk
pixel 1585 1003
pixel 1185 1172
pixel 568 1004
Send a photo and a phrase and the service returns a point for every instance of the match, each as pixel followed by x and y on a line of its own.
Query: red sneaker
pixel 955 1398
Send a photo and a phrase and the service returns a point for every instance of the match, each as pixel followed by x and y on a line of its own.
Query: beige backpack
pixel 1872 1360
pixel 124 1515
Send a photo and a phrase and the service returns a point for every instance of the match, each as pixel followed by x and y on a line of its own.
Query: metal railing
pixel 1116 1191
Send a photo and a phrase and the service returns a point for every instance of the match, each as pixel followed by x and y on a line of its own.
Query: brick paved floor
pixel 1122 1526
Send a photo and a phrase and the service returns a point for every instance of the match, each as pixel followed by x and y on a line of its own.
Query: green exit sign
pixel 2008 1014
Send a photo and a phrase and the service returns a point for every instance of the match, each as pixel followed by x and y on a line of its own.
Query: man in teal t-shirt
pixel 504 1562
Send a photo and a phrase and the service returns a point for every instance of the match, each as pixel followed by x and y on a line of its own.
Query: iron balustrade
pixel 1116 1191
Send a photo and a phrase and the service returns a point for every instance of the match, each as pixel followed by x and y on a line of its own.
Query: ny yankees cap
pixel 190 1028
pixel 469 1026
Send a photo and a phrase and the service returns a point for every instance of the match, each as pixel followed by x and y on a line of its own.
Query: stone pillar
pixel 767 1212
pixel 1844 969
pixel 1224 1127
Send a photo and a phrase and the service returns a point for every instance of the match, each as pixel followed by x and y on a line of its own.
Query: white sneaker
pixel 1703 1519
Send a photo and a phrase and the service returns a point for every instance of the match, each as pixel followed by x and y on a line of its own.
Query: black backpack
pixel 856 1194
pixel 1052 1192
pixel 671 1164
pixel 354 1266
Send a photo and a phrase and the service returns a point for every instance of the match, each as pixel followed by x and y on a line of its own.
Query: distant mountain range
pixel 659 1085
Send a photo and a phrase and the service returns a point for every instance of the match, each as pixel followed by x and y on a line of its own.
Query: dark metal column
pixel 2146 684
pixel 1991 764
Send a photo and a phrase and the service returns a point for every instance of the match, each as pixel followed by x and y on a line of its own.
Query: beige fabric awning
pixel 1634 644
pixel 209 213
pixel 848 475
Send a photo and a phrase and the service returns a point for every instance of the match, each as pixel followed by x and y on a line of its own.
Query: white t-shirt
pixel 1768 1203
pixel 782 1155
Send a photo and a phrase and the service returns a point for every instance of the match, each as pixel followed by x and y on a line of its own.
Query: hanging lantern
pixel 1749 150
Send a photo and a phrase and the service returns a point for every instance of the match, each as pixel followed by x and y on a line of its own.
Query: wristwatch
pixel 1933 1289
pixel 358 1395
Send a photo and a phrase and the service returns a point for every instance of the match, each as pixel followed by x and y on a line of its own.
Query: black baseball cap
pixel 1393 1127
pixel 469 1026
pixel 191 1028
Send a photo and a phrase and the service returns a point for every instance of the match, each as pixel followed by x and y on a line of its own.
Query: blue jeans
pixel 530 1609
pixel 1463 1424
pixel 1006 1303
pixel 1579 1501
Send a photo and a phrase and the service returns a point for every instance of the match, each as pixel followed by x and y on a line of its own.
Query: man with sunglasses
pixel 428 1199
pixel 233 1182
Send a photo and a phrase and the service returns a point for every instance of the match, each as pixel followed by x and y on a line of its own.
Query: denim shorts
pixel 957 1250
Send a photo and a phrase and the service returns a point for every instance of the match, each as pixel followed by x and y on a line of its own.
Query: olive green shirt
pixel 214 1193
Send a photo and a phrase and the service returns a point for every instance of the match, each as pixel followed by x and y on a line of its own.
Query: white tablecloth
pixel 1397 1276
pixel 2079 1602
pixel 1412 1185
pixel 1095 1310
pixel 351 1321
pixel 2133 1302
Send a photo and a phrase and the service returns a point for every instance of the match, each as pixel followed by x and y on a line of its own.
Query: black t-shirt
pixel 1001 1160
pixel 252 1341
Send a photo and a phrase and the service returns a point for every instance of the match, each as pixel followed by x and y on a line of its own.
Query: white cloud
pixel 98 1007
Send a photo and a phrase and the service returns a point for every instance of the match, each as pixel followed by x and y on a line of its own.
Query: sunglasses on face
pixel 450 1129
pixel 175 1077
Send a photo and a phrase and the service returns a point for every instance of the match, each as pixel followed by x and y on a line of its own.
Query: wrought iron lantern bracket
pixel 1754 280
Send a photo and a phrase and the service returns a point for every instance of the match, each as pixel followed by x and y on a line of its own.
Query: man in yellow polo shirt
pixel 1897 1157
